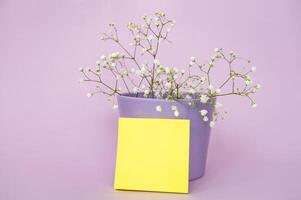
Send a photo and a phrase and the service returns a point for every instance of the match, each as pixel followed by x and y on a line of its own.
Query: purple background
pixel 57 144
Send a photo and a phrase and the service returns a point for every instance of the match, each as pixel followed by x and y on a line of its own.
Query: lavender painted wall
pixel 57 144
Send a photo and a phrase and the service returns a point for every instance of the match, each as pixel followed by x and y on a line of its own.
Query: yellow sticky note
pixel 152 155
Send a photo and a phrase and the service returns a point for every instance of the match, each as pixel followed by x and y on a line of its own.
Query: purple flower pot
pixel 139 107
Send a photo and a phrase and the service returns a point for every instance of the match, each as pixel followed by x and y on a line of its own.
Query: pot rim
pixel 127 96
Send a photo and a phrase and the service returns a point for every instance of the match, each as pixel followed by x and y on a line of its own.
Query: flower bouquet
pixel 143 87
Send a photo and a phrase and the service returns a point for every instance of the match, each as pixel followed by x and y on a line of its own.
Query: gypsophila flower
pixel 150 37
pixel 257 86
pixel 103 57
pixel 173 107
pixel 176 113
pixel 158 108
pixel 218 105
pixel 115 106
pixel 204 98
pixel 135 89
pixel 81 69
pixel 203 112
pixel 156 62
pixel 254 105
pixel 135 74
pixel 89 94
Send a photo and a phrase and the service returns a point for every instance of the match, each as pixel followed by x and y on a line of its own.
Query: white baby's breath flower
pixel 192 91
pixel 135 89
pixel 204 98
pixel 156 62
pixel 81 69
pixel 167 70
pixel 115 106
pixel 216 49
pixel 257 86
pixel 218 105
pixel 143 70
pixel 192 59
pixel 146 92
pixel 173 22
pixel 103 57
pixel 182 71
pixel 89 94
pixel 254 105
pixel 188 96
pixel 168 85
pixel 203 112
pixel 202 80
pixel 211 124
pixel 168 30
pixel 205 119
pixel 173 107
pixel 150 37
pixel 158 108
pixel 247 82
pixel 218 91
pixel 253 69
pixel 176 113
pixel 81 80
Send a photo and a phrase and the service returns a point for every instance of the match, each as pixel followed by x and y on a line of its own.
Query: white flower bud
pixel 211 124
pixel 203 112
pixel 158 108
pixel 257 86
pixel 205 119
pixel 89 94
pixel 135 89
pixel 103 57
pixel 173 107
pixel 146 92
pixel 204 98
pixel 176 113
pixel 156 62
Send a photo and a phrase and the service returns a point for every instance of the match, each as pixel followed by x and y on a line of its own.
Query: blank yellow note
pixel 152 155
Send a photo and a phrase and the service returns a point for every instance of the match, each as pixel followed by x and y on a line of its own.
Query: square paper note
pixel 152 155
